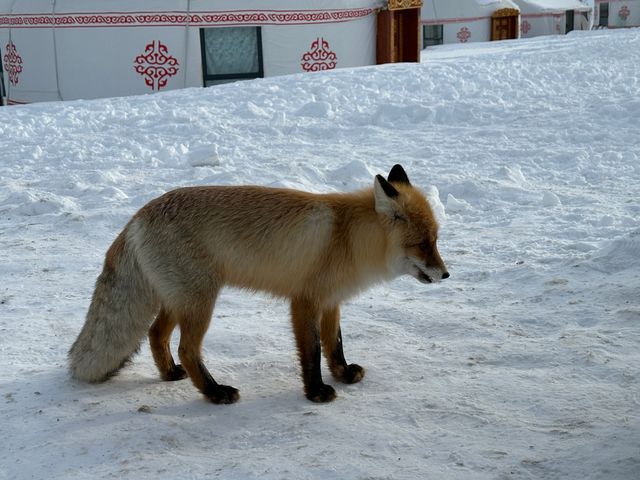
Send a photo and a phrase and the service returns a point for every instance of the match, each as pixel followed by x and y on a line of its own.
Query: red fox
pixel 166 267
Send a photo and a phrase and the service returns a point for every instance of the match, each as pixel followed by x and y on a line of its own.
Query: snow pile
pixel 619 254
pixel 524 364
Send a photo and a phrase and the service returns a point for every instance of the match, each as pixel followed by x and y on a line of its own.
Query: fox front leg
pixel 305 316
pixel 332 345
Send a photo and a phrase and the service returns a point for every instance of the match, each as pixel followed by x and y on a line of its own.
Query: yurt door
pixel 398 34
pixel 500 29
pixel 504 24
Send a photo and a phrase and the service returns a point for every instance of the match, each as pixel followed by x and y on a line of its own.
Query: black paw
pixel 353 374
pixel 176 373
pixel 222 394
pixel 321 394
pixel 350 374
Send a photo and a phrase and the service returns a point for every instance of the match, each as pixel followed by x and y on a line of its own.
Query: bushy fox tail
pixel 122 308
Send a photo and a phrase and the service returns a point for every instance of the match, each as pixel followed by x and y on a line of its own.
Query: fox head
pixel 412 228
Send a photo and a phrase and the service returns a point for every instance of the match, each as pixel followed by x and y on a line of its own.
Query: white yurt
pixel 71 49
pixel 617 13
pixel 462 21
pixel 553 17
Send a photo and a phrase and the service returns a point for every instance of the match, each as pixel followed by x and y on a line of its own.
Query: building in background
pixel 553 17
pixel 71 49
pixel 617 13
pixel 464 21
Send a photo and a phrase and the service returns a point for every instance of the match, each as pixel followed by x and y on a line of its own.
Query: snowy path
pixel 523 365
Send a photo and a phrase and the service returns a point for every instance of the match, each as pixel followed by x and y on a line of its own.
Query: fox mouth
pixel 426 273
pixel 420 274
pixel 423 277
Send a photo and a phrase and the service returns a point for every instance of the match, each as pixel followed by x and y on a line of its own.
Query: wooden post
pixel 384 38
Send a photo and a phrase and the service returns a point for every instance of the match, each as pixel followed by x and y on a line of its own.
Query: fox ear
pixel 398 175
pixel 384 194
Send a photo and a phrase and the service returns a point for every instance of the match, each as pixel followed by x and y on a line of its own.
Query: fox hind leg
pixel 194 322
pixel 159 336
pixel 331 335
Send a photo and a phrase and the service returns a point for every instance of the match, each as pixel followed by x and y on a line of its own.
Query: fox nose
pixel 445 275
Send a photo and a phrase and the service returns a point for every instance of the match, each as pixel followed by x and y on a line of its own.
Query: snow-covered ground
pixel 525 364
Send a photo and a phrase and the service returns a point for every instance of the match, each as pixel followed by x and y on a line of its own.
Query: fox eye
pixel 425 245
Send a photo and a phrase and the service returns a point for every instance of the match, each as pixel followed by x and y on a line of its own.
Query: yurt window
pixel 230 54
pixel 3 92
pixel 570 18
pixel 431 35
pixel 604 15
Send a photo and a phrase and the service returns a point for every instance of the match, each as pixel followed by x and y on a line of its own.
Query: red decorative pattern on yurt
pixel 156 65
pixel 464 34
pixel 319 57
pixel 12 63
pixel 624 13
